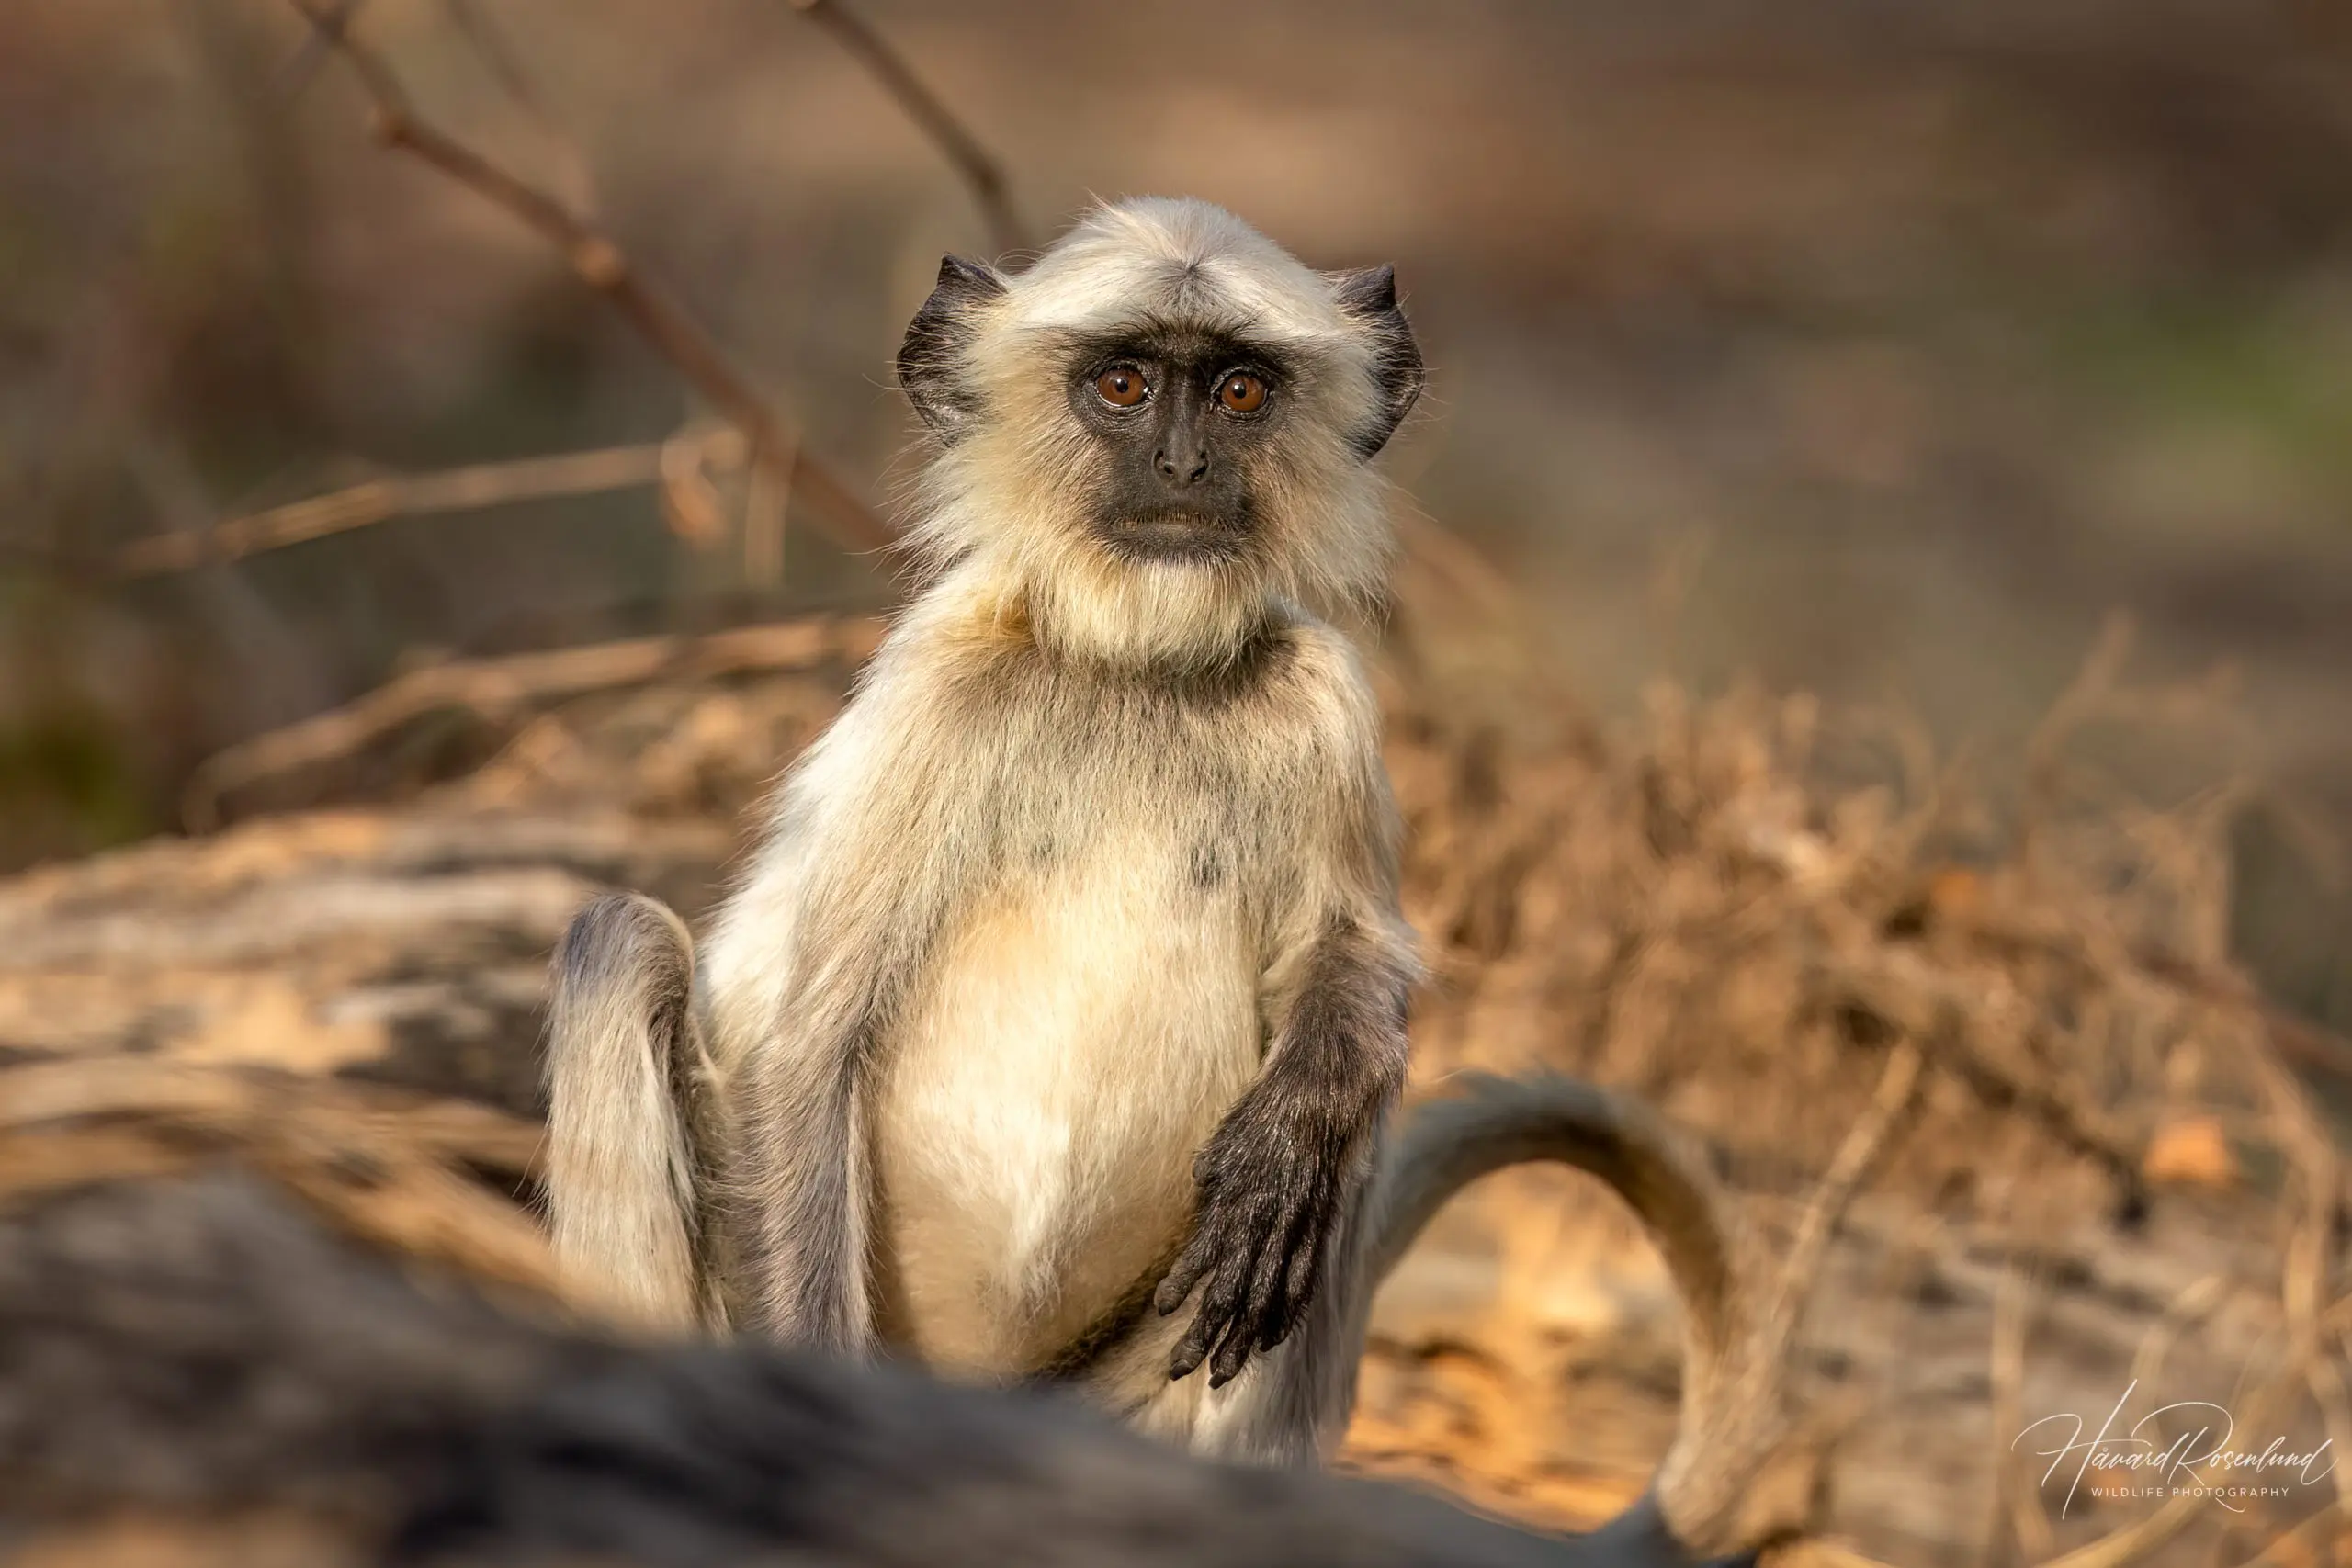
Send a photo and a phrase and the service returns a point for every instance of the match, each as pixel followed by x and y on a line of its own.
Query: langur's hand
pixel 1270 1179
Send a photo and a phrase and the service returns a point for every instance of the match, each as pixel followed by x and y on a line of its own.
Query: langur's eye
pixel 1122 385
pixel 1241 392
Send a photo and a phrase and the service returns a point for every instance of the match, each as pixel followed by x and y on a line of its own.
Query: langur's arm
pixel 858 878
pixel 1281 1169
pixel 1284 1165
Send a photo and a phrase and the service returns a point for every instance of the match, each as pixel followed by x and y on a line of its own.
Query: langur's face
pixel 1184 422
pixel 1169 394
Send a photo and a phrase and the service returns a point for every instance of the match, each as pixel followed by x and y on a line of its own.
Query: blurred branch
pixel 503 63
pixel 2300 1040
pixel 317 44
pixel 2097 694
pixel 979 170
pixel 498 56
pixel 2297 1039
pixel 504 685
pixel 600 263
pixel 1942 1016
pixel 358 506
pixel 1863 1153
pixel 2017 1496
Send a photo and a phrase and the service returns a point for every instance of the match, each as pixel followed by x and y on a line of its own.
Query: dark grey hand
pixel 1271 1181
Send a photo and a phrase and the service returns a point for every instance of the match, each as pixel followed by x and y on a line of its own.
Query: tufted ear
pixel 931 360
pixel 1368 296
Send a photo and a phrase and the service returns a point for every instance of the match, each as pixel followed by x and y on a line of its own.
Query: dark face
pixel 1183 417
pixel 1179 417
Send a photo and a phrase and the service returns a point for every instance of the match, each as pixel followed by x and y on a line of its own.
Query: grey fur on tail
pixel 1734 1406
pixel 630 1129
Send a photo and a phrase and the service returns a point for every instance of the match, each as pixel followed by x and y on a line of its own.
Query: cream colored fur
pixel 1050 898
pixel 620 1170
pixel 1013 494
pixel 1023 925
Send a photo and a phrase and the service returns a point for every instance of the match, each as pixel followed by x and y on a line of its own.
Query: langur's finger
pixel 1298 1286
pixel 1307 1258
pixel 1190 1265
pixel 1264 1305
pixel 1231 1353
pixel 1218 1296
pixel 1190 1350
pixel 1221 1297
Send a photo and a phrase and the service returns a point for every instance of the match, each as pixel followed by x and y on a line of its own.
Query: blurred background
pixel 1863 347
pixel 1876 348
pixel 1835 356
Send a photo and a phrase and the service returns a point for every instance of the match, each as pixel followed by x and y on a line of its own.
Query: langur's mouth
pixel 1174 537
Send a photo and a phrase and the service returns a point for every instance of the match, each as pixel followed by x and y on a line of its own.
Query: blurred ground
pixel 387 936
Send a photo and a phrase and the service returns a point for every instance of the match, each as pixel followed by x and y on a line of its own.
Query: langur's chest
pixel 1085 1026
pixel 1102 958
pixel 1152 813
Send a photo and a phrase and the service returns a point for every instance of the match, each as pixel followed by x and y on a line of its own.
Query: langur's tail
pixel 629 1186
pixel 1737 1322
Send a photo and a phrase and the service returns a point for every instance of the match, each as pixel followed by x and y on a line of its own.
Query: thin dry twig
pixel 2298 1039
pixel 2311 1254
pixel 600 263
pixel 2185 1311
pixel 2016 1501
pixel 503 63
pixel 778 461
pixel 1784 1495
pixel 1863 1153
pixel 466 489
pixel 2098 692
pixel 302 68
pixel 767 498
pixel 962 149
pixel 498 56
pixel 690 502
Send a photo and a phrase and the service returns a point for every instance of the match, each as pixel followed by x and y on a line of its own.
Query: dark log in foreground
pixel 200 1361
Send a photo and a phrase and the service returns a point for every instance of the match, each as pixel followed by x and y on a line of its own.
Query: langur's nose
pixel 1183 469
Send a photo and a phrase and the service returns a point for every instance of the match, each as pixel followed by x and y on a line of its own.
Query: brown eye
pixel 1122 385
pixel 1242 392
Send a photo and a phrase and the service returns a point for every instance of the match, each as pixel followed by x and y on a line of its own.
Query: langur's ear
pixel 931 362
pixel 1369 297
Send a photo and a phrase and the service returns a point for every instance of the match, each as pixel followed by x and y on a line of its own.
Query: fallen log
pixel 198 1369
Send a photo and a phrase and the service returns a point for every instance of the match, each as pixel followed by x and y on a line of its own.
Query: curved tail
pixel 1736 1325
pixel 629 1183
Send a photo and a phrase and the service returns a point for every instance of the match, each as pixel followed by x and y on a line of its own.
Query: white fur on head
pixel 1008 498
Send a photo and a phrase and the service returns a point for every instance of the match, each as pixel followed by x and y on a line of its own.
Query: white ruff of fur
pixel 1010 504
